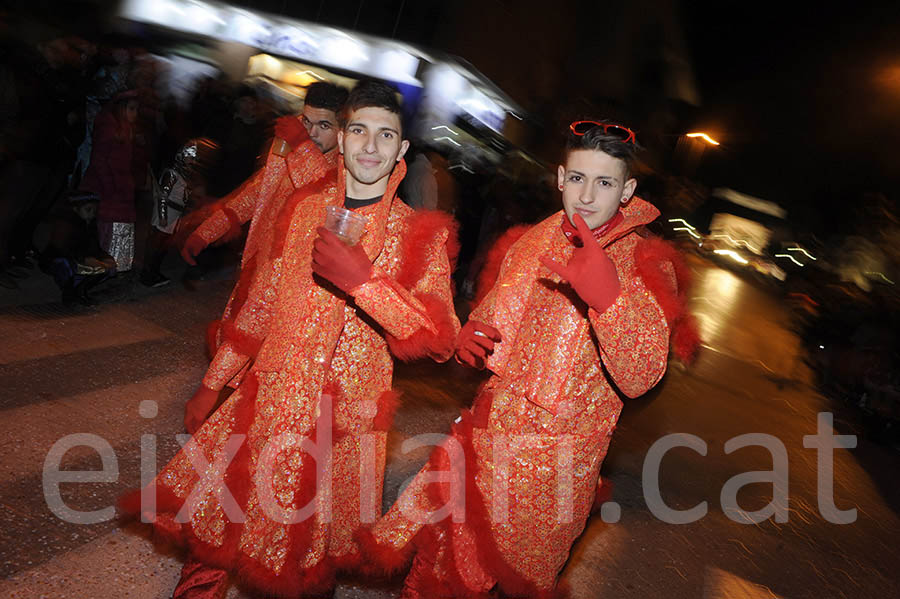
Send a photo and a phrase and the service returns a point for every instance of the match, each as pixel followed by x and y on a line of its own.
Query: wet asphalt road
pixel 86 371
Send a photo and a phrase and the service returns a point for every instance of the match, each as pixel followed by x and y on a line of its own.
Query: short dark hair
pixel 373 94
pixel 329 96
pixel 595 139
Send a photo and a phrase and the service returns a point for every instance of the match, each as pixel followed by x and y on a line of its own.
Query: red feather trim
pixel 649 256
pixel 602 494
pixel 388 403
pixel 422 228
pixel 490 557
pixel 378 559
pixel 686 339
pixel 494 260
pixel 425 342
pixel 241 341
pixel 316 580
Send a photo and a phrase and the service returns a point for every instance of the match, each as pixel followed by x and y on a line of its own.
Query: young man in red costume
pixel 581 301
pixel 304 149
pixel 272 486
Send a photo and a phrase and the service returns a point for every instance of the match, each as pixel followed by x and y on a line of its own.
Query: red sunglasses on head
pixel 579 128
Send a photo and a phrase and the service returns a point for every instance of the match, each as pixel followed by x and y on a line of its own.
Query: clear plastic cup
pixel 346 224
pixel 280 147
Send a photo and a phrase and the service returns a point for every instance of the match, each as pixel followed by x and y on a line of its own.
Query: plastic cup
pixel 280 147
pixel 346 224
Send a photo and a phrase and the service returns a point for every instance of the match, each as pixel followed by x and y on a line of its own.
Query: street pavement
pixel 87 371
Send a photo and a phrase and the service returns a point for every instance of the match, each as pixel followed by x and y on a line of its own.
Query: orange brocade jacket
pixel 317 365
pixel 549 397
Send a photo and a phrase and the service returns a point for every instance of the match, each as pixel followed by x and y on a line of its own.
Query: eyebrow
pixel 358 124
pixel 607 177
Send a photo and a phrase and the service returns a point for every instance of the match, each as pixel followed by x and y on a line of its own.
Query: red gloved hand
pixel 291 130
pixel 475 343
pixel 345 266
pixel 192 246
pixel 590 272
pixel 198 408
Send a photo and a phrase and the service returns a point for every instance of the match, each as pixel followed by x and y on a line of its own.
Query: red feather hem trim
pixel 387 403
pixel 490 557
pixel 425 342
pixel 315 580
pixel 494 260
pixel 378 559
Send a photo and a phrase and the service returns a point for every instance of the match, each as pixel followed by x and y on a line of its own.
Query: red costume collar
pixel 571 232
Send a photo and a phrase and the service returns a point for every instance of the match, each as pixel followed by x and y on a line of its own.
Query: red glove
pixel 345 266
pixel 192 246
pixel 291 130
pixel 590 272
pixel 198 408
pixel 475 343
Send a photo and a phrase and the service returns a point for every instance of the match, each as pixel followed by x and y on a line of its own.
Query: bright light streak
pixel 445 127
pixel 789 257
pixel 704 137
pixel 453 141
pixel 807 254
pixel 734 241
pixel 886 280
pixel 688 230
pixel 681 220
pixel 733 255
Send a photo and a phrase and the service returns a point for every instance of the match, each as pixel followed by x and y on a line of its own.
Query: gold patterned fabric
pixel 522 466
pixel 306 426
pixel 261 200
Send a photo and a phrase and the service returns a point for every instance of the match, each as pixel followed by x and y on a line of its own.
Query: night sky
pixel 805 98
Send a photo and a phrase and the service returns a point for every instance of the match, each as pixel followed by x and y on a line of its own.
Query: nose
pixel 370 146
pixel 587 195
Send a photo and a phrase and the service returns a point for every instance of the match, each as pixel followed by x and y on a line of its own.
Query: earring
pixel 560 186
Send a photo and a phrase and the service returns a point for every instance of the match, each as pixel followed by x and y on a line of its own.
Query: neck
pixel 358 190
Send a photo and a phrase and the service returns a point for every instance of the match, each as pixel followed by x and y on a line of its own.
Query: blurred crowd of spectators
pixel 84 122
pixel 87 130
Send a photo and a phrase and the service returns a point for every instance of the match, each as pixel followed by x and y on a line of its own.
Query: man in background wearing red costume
pixel 584 293
pixel 272 486
pixel 304 149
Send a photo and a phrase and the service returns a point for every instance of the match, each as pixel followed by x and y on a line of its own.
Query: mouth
pixel 368 162
pixel 584 213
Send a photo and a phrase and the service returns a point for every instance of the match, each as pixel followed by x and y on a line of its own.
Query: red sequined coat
pixel 261 200
pixel 536 436
pixel 321 370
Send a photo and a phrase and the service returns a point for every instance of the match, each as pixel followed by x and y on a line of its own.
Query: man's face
pixel 372 144
pixel 593 185
pixel 321 124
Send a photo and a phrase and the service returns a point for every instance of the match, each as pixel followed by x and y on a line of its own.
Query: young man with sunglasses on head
pixel 569 308
pixel 319 352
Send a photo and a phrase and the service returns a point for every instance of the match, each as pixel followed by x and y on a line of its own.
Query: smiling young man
pixel 315 364
pixel 574 305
